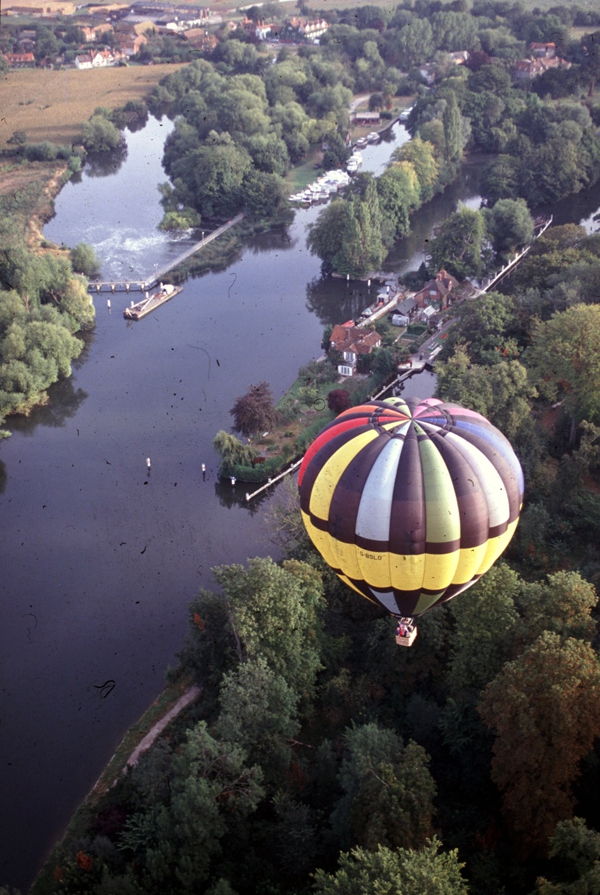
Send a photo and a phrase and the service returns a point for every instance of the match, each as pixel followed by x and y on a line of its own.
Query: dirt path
pixel 155 731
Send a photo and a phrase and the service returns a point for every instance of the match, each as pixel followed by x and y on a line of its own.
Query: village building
pixel 131 45
pixel 404 312
pixel 49 10
pixel 544 57
pixel 366 119
pixel 546 51
pixel 436 291
pixel 297 29
pixel 461 57
pixel 352 341
pixel 89 34
pixel 20 60
pixel 83 62
pixel 200 38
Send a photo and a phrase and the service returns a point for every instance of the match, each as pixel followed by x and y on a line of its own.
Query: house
pixel 546 51
pixel 89 34
pixel 131 45
pixel 407 308
pixel 437 290
pixel 461 57
pixel 20 60
pixel 297 29
pixel 367 119
pixel 84 61
pixel 26 44
pixel 531 68
pixel 105 58
pixel 427 72
pixel 351 341
pixel 425 314
pixel 200 38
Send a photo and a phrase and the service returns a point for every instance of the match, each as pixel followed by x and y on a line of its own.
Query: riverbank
pixel 176 697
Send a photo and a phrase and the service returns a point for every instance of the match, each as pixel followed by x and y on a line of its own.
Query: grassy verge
pixel 298 178
pixel 27 192
pixel 53 105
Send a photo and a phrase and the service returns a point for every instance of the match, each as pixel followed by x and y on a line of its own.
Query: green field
pixel 53 105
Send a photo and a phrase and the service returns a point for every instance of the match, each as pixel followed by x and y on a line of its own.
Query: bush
pixel 41 152
pixel 338 400
pixel 84 260
pixel 259 473
pixel 100 134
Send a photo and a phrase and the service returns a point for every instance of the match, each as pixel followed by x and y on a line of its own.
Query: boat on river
pixel 151 301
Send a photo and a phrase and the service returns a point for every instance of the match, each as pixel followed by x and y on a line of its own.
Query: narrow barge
pixel 151 301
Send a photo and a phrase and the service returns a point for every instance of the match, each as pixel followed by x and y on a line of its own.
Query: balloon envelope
pixel 410 501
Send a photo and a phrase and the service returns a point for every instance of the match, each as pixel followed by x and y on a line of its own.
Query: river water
pixel 100 559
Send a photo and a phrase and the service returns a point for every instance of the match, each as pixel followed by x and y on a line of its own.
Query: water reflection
pixel 230 496
pixel 64 402
pixel 136 122
pixel 103 164
pixel 3 477
pixel 334 300
pixel 278 239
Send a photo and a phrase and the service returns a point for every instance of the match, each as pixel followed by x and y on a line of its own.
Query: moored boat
pixel 151 301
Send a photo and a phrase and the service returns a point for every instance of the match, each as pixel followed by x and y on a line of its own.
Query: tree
pixel 100 134
pixel 211 787
pixel 452 129
pixel 457 247
pixel 264 194
pixel 84 260
pixel 509 225
pixel 258 713
pixel 338 400
pixel 415 43
pixel 485 618
pixel 325 236
pixel 399 194
pixel 501 178
pixel 575 851
pixel 420 155
pixel 274 611
pixel 254 411
pixel 544 708
pixel 232 451
pixel 394 871
pixel 388 790
pixel 565 361
pixel 362 247
pixel 591 66
pixel 563 605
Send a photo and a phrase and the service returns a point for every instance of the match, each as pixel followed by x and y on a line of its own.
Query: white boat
pixel 405 113
pixel 373 137
pixel 360 144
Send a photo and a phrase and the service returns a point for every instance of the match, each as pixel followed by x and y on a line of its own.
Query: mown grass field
pixel 53 105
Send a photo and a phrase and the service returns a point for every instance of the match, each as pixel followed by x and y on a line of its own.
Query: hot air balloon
pixel 410 501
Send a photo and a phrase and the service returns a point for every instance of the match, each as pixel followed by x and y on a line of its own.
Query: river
pixel 100 559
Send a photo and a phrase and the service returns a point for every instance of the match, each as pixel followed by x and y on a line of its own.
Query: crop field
pixel 53 105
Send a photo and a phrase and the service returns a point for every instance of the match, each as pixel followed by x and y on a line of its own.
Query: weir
pixel 142 285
